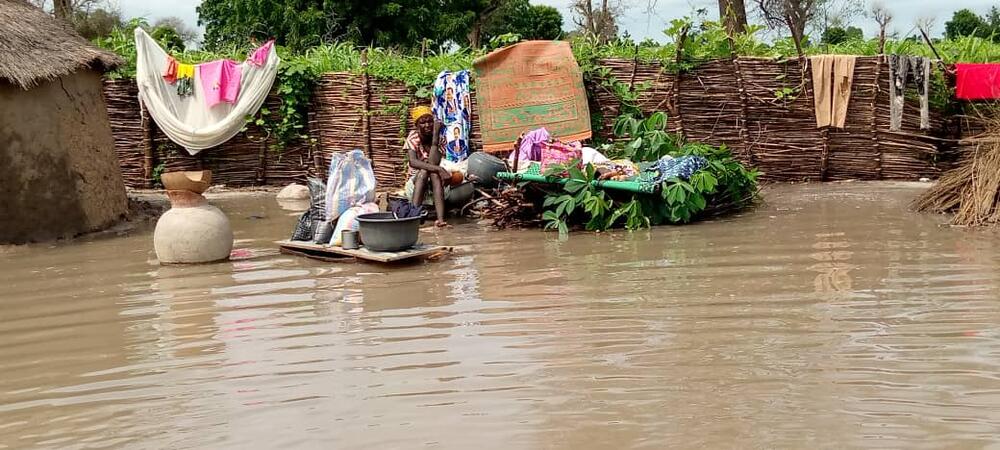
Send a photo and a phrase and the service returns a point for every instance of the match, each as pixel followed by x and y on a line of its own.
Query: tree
pixel 301 24
pixel 836 35
pixel 465 19
pixel 97 23
pixel 93 19
pixel 525 20
pixel 733 14
pixel 882 17
pixel 600 22
pixel 799 16
pixel 183 31
pixel 793 14
pixel 964 22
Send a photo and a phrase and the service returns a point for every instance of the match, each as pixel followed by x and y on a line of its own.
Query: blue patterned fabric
pixel 682 167
pixel 452 106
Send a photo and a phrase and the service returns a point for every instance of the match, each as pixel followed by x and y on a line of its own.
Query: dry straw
pixel 972 190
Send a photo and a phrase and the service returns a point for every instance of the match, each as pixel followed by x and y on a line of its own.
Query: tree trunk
pixel 733 14
pixel 591 26
pixel 62 9
pixel 475 34
pixel 605 22
pixel 797 14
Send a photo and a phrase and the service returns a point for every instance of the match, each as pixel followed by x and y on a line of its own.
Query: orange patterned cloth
pixel 531 85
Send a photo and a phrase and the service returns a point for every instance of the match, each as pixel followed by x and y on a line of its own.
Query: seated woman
pixel 424 153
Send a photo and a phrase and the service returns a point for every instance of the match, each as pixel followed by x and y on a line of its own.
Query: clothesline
pixel 206 104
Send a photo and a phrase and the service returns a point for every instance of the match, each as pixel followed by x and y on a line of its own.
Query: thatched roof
pixel 36 47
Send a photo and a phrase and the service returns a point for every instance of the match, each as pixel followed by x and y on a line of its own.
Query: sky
pixel 639 21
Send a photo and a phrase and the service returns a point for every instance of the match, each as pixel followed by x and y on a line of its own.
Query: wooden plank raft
pixel 332 253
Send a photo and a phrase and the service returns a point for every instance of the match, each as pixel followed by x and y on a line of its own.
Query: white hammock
pixel 188 121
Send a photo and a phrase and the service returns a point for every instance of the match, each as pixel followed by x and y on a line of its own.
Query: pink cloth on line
pixel 220 81
pixel 259 56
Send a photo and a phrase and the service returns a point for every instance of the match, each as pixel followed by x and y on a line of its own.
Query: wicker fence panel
pixel 731 102
pixel 120 96
pixel 708 105
pixel 390 103
pixel 909 153
pixel 782 139
pixel 337 116
pixel 852 153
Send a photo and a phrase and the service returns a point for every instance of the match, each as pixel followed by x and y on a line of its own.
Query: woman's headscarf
pixel 418 112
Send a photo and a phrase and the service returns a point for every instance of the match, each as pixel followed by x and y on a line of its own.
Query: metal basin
pixel 460 195
pixel 383 232
pixel 484 168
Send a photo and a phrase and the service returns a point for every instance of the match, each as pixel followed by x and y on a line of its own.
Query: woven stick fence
pixel 735 103
pixel 724 102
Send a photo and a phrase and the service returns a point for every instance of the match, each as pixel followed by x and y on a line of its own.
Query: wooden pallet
pixel 331 253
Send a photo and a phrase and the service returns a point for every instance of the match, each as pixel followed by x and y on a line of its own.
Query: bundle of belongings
pixel 537 150
pixel 335 205
pixel 199 106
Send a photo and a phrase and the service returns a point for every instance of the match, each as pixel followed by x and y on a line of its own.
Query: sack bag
pixel 557 153
pixel 303 228
pixel 317 198
pixel 351 181
pixel 322 231
pixel 349 221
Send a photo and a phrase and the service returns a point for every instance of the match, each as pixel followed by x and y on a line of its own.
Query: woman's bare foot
pixel 441 224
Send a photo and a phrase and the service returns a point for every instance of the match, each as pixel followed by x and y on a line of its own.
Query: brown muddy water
pixel 829 317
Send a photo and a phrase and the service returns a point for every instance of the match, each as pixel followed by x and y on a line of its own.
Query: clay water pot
pixel 196 181
pixel 192 231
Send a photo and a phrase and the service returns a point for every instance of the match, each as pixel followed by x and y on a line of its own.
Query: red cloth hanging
pixel 977 81
pixel 170 75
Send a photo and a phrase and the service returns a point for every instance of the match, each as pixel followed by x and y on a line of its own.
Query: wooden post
pixel 262 164
pixel 741 90
pixel 874 112
pixel 147 148
pixel 825 132
pixel 824 162
pixel 635 65
pixel 317 158
pixel 744 131
pixel 366 92
pixel 675 97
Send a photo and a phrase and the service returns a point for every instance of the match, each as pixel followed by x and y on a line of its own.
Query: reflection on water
pixel 830 317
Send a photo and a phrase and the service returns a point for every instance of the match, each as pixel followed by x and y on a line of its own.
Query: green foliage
pixel 158 173
pixel 724 181
pixel 294 86
pixel 168 37
pixel 521 18
pixel 97 23
pixel 839 35
pixel 965 23
pixel 301 24
pixel 641 139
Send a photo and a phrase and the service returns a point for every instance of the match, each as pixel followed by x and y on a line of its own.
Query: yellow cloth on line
pixel 185 70
pixel 833 76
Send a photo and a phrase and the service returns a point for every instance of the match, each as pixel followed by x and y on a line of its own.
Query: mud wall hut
pixel 59 175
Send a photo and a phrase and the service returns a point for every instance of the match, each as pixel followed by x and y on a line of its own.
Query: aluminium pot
pixel 483 168
pixel 383 232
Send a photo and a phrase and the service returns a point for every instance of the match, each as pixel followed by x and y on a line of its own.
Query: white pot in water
pixel 192 231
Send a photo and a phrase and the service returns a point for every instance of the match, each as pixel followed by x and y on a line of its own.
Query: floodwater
pixel 830 317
